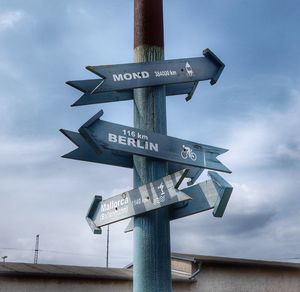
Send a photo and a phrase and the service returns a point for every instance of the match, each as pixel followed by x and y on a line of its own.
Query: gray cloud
pixel 253 111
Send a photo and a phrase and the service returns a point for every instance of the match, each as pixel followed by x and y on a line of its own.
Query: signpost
pixel 157 194
pixel 147 74
pixel 155 199
pixel 105 135
pixel 88 86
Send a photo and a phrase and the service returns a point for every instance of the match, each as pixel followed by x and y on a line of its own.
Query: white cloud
pixel 10 19
pixel 19 152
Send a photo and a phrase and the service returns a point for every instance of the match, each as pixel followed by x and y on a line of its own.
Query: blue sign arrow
pixel 211 194
pixel 105 135
pixel 154 195
pixel 88 86
pixel 85 152
pixel 137 75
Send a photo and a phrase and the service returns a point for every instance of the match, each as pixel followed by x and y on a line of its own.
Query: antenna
pixel 36 250
pixel 4 258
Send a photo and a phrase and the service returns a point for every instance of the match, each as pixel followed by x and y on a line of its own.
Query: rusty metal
pixel 148 23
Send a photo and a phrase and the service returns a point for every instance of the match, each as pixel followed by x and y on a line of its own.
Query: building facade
pixel 189 272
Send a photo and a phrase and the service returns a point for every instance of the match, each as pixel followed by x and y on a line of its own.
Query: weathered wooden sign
pixel 137 75
pixel 211 194
pixel 157 194
pixel 85 152
pixel 88 86
pixel 105 135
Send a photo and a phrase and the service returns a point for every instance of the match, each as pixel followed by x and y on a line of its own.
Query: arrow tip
pixel 98 70
pixel 81 101
pixel 220 65
pixel 74 84
pixel 93 70
pixel 72 136
pixel 224 190
pixel 65 132
pixel 95 229
pixel 92 213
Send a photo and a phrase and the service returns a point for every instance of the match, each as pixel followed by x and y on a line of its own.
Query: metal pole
pixel 36 250
pixel 152 256
pixel 107 246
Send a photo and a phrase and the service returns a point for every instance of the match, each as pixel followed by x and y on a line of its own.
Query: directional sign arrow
pixel 214 193
pixel 136 75
pixel 85 152
pixel 211 194
pixel 157 194
pixel 104 135
pixel 88 86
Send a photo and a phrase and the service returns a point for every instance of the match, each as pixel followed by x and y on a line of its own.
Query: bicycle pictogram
pixel 187 152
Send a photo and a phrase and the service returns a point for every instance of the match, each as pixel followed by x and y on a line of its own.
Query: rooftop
pixel 233 261
pixel 125 274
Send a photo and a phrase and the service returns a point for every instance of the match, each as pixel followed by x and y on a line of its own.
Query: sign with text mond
pixel 137 75
pixel 105 135
pixel 157 194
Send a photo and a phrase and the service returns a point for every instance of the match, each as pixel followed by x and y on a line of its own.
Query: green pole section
pixel 152 256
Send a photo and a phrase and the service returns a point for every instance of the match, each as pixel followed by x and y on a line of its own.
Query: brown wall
pixel 212 278
pixel 25 284
pixel 182 266
pixel 226 278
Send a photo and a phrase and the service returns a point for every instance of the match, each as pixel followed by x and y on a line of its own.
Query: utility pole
pixel 152 256
pixel 36 250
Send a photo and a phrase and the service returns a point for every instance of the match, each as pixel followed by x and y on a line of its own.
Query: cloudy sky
pixel 253 111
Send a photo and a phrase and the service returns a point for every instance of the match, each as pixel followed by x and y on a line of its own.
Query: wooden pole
pixel 152 256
